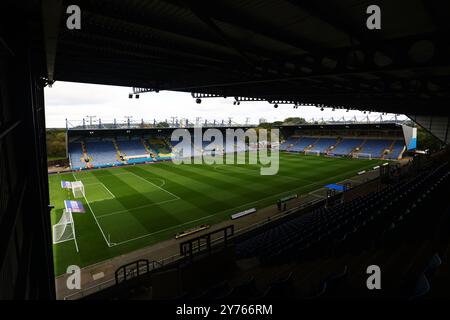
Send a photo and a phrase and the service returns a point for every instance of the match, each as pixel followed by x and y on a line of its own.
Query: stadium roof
pixel 318 52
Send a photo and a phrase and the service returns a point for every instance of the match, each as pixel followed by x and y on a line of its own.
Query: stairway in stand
pixel 118 154
pixel 147 148
pixel 391 147
pixel 291 146
pixel 330 149
pixel 88 164
pixel 359 148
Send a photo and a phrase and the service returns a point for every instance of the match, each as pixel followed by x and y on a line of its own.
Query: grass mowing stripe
pixel 133 198
pixel 207 195
pixel 195 198
pixel 184 176
pixel 223 179
pixel 155 185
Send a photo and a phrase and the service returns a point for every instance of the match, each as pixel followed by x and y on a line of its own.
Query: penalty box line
pixel 106 188
pixel 135 208
pixel 226 210
pixel 173 195
pixel 117 212
pixel 93 214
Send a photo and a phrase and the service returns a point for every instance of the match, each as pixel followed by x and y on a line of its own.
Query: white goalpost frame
pixel 65 220
pixel 362 155
pixel 312 152
pixel 78 189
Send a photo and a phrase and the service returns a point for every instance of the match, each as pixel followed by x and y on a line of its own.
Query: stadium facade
pixel 94 148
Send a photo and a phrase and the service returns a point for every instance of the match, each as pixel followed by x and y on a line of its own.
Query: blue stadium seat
pixel 131 147
pixel 75 155
pixel 302 143
pixel 376 147
pixel 351 225
pixel 102 152
pixel 287 144
pixel 396 149
pixel 323 144
pixel 346 146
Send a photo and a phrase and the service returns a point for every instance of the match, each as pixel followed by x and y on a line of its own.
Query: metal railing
pixel 171 259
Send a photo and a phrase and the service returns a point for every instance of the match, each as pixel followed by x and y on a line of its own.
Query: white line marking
pixel 99 183
pixel 202 218
pixel 173 195
pixel 108 190
pixel 205 217
pixel 75 236
pixel 162 230
pixel 93 214
pixel 135 208
pixel 232 209
pixel 163 182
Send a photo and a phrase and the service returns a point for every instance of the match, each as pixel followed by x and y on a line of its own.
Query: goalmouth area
pixel 132 207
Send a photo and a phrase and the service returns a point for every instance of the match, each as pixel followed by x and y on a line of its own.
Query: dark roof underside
pixel 307 51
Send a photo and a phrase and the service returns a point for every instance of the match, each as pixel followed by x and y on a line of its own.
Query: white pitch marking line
pixel 202 218
pixel 135 208
pixel 173 195
pixel 211 215
pixel 163 182
pixel 99 183
pixel 108 190
pixel 95 218
pixel 220 212
pixel 162 230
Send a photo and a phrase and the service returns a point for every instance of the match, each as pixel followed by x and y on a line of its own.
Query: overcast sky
pixel 75 101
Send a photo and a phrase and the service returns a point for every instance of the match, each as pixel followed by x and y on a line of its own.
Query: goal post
pixel 362 155
pixel 78 189
pixel 312 152
pixel 64 230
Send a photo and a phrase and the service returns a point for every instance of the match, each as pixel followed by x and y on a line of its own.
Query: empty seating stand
pixel 392 226
pixel 397 148
pixel 351 224
pixel 286 145
pixel 132 147
pixel 346 146
pixel 323 144
pixel 103 153
pixel 302 143
pixel 376 147
pixel 75 154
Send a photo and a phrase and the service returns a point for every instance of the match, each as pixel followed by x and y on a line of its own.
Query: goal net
pixel 362 155
pixel 312 152
pixel 64 230
pixel 78 189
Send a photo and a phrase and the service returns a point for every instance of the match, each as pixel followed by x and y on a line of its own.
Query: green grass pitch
pixel 136 206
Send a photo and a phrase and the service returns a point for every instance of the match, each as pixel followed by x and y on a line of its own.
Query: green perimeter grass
pixel 136 206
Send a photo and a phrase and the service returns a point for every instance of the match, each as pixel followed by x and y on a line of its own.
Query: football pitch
pixel 132 207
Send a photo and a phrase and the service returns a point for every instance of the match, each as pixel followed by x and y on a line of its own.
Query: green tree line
pixel 56 144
